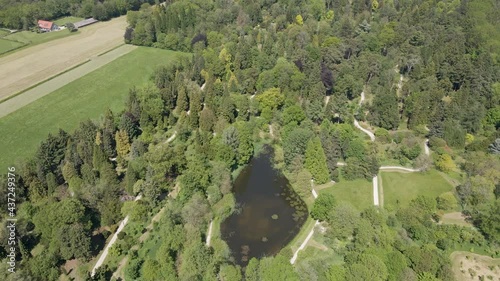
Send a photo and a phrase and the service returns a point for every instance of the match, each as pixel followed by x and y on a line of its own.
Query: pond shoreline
pixel 272 213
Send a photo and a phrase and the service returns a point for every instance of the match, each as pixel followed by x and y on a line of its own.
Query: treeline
pixel 25 14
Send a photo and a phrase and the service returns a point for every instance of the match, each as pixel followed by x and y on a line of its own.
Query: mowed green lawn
pixel 401 188
pixel 34 38
pixel 65 20
pixel 8 45
pixel 4 32
pixel 358 193
pixel 87 97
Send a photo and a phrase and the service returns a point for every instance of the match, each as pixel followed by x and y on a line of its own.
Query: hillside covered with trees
pixel 428 69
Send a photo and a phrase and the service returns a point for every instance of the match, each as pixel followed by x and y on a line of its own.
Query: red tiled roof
pixel 45 24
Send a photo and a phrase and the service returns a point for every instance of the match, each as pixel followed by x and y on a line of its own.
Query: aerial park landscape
pixel 250 140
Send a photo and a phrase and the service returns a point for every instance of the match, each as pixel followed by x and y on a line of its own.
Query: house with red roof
pixel 47 26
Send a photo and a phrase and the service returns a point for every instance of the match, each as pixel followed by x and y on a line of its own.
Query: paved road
pixel 52 85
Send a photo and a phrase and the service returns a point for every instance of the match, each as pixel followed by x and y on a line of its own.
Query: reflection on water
pixel 272 213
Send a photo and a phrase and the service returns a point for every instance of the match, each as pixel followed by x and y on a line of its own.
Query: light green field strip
pixel 52 85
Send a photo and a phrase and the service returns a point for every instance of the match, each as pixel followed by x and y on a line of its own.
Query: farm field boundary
pixel 59 81
pixel 85 98
pixel 31 65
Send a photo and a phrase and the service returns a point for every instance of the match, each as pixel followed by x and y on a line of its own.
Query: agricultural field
pixel 87 97
pixel 31 65
pixel 359 192
pixel 400 187
pixel 470 266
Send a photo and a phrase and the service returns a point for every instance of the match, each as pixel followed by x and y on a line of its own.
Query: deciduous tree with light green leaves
pixel 316 161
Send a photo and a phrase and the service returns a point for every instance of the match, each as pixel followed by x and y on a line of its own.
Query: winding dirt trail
pixel 143 237
pixel 356 123
pixel 209 233
pixel 104 254
pixel 311 233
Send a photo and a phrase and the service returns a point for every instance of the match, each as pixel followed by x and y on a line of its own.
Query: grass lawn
pixel 455 218
pixel 34 38
pixel 64 20
pixel 8 45
pixel 314 262
pixel 401 188
pixel 87 97
pixel 358 192
pixel 4 32
pixel 301 236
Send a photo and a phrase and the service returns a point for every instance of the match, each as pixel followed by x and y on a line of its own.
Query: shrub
pixel 446 201
pixel 129 35
pixel 322 206
pixel 106 234
pixel 445 164
pixel 398 137
pixel 383 135
pixel 436 142
pixel 71 27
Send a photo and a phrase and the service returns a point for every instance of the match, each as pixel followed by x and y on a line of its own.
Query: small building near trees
pixel 47 26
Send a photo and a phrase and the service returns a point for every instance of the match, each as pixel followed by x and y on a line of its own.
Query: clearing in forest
pixel 358 192
pixel 32 65
pixel 456 218
pixel 470 266
pixel 85 98
pixel 401 187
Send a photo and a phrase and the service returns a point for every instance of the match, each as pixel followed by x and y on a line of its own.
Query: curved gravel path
pixel 426 147
pixel 356 123
pixel 123 223
pixel 311 233
pixel 398 168
pixel 209 234
pixel 104 254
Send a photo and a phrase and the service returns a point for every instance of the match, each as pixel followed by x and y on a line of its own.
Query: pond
pixel 270 212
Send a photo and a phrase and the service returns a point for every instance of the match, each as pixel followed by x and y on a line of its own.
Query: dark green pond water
pixel 270 215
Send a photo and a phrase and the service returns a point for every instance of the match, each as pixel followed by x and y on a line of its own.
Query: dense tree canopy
pixel 287 73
